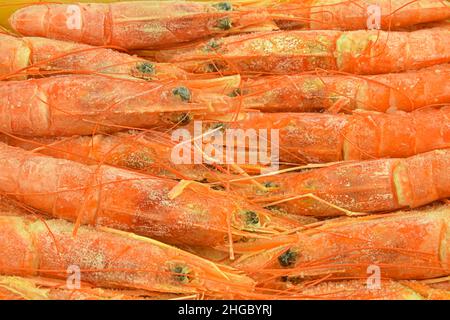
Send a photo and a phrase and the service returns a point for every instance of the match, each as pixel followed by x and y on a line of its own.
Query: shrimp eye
pixel 224 6
pixel 181 274
pixel 146 68
pixel 183 93
pixel 217 125
pixel 235 93
pixel 211 68
pixel 218 187
pixel 293 280
pixel 212 45
pixel 288 258
pixel 276 209
pixel 182 118
pixel 185 118
pixel 214 66
pixel 251 217
pixel 271 185
pixel 224 23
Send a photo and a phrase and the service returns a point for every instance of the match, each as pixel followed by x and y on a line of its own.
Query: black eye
pixel 270 184
pixel 184 119
pixel 183 93
pixel 217 125
pixel 235 93
pixel 251 217
pixel 146 68
pixel 181 274
pixel 214 66
pixel 288 258
pixel 212 45
pixel 218 187
pixel 224 6
pixel 211 67
pixel 224 23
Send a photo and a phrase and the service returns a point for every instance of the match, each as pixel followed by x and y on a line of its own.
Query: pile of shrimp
pixel 95 96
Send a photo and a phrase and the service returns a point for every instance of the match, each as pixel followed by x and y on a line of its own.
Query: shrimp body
pixel 320 138
pixel 136 24
pixel 109 258
pixel 359 14
pixel 404 245
pixel 360 186
pixel 9 206
pixel 154 24
pixel 405 91
pixel 143 152
pixel 40 288
pixel 359 290
pixel 287 52
pixel 20 57
pixel 83 104
pixel 107 196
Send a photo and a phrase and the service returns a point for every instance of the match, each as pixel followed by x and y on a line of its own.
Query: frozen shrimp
pixel 403 245
pixel 288 52
pixel 33 56
pixel 138 24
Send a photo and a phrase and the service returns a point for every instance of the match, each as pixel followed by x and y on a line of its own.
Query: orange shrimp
pixel 137 24
pixel 39 288
pixel 403 245
pixel 181 213
pixel 287 52
pixel 155 24
pixel 110 258
pixel 84 104
pixel 146 152
pixel 428 291
pixel 356 14
pixel 9 206
pixel 440 24
pixel 359 290
pixel 316 92
pixel 222 257
pixel 439 283
pixel 28 56
pixel 321 138
pixel 352 188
